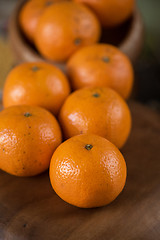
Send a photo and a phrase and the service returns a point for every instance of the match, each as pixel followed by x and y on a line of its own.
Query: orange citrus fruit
pixel 110 12
pixel 87 171
pixel 65 27
pixel 28 137
pixel 39 84
pixel 101 65
pixel 99 111
pixel 30 14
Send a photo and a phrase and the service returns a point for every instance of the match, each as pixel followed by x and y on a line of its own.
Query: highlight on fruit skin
pixel 101 65
pixel 87 171
pixel 36 84
pixel 28 137
pixel 96 110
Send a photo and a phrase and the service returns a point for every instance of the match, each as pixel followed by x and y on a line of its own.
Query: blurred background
pixel 147 66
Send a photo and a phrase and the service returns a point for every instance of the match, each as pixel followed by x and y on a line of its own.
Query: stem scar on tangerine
pixel 106 59
pixel 96 95
pixel 35 68
pixel 88 146
pixel 27 114
pixel 77 41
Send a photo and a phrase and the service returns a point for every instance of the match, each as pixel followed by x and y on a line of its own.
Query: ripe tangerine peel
pixel 87 171
pixel 37 84
pixel 101 65
pixel 30 14
pixel 99 111
pixel 64 28
pixel 28 137
pixel 111 13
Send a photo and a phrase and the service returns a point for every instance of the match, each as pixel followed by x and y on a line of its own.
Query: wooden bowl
pixel 128 37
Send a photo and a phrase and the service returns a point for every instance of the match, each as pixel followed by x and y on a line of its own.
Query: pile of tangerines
pixel 85 108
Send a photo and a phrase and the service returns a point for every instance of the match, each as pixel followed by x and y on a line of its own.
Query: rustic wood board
pixel 29 208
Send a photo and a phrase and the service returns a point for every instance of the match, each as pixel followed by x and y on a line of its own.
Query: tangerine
pixel 38 84
pixel 30 14
pixel 65 27
pixel 110 12
pixel 100 111
pixel 28 137
pixel 87 171
pixel 101 65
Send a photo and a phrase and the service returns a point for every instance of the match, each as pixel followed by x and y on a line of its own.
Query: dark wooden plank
pixel 29 208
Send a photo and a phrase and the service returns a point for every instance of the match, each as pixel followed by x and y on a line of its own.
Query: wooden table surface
pixel 29 208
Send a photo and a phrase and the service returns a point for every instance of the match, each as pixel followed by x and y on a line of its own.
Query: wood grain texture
pixel 29 208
